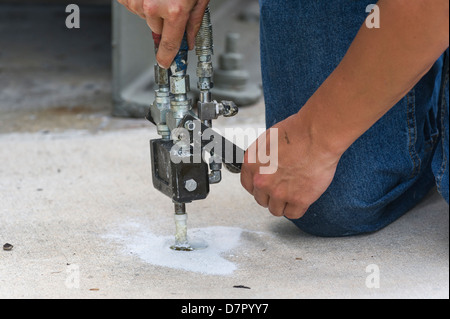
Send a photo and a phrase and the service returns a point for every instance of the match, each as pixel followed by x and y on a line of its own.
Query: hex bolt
pixel 231 59
pixel 189 125
pixel 190 185
pixel 231 79
pixel 231 41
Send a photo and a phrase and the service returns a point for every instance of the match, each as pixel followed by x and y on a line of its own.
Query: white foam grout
pixel 211 260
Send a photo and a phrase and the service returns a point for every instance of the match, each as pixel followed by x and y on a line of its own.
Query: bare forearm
pixel 380 67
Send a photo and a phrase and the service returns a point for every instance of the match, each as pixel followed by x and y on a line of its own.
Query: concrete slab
pixel 78 206
pixel 85 222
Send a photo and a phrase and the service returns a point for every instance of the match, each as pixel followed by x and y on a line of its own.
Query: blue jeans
pixel 389 169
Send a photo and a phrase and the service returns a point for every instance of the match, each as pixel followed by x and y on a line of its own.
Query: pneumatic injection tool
pixel 188 157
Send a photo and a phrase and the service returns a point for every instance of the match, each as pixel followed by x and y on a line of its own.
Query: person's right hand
pixel 171 19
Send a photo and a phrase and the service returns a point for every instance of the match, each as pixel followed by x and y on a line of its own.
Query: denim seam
pixel 440 174
pixel 412 132
pixel 430 143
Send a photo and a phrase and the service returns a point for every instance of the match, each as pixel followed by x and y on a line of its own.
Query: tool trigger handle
pixel 156 39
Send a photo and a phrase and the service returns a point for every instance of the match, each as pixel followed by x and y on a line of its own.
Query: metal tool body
pixel 179 168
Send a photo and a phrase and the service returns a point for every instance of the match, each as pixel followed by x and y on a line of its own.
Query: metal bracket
pixel 232 156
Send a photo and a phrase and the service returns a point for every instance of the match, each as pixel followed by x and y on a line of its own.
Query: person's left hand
pixel 300 175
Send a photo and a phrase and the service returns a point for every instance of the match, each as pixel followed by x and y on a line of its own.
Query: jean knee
pixel 335 215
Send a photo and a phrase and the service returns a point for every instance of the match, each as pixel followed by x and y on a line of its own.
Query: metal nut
pixel 190 185
pixel 189 125
pixel 179 85
pixel 205 70
pixel 161 76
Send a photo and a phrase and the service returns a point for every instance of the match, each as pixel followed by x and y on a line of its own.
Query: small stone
pixel 241 287
pixel 7 246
